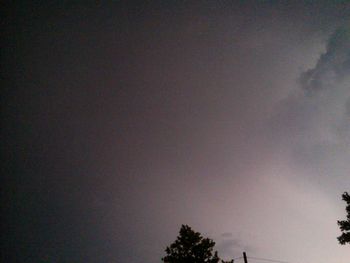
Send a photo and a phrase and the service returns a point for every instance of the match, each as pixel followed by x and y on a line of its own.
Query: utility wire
pixel 270 260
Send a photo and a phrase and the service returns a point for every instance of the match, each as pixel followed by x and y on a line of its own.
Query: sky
pixel 122 121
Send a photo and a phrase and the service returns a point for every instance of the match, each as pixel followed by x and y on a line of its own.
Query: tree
pixel 191 247
pixel 344 225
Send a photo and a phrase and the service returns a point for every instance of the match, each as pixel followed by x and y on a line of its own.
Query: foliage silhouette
pixel 191 247
pixel 344 225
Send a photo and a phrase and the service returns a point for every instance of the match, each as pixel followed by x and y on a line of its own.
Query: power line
pixel 267 259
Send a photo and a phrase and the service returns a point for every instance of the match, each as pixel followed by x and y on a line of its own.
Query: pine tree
pixel 344 225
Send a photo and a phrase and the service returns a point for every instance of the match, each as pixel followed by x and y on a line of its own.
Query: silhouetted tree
pixel 345 224
pixel 191 247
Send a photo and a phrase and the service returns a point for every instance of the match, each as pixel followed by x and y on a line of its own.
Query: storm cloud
pixel 124 121
pixel 313 121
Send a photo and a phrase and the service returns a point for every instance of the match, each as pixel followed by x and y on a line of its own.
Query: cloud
pixel 229 247
pixel 332 66
pixel 312 125
pixel 327 85
pixel 227 234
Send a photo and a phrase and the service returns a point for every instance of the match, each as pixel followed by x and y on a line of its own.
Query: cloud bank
pixel 313 121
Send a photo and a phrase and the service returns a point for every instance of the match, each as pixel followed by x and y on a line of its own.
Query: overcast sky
pixel 123 121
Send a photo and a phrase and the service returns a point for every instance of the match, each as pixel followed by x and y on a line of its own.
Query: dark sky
pixel 122 121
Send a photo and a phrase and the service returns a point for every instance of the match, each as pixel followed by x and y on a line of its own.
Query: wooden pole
pixel 245 257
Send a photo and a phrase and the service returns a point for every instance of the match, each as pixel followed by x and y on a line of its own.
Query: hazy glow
pixel 125 121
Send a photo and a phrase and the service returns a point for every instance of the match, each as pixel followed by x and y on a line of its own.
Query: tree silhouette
pixel 191 247
pixel 344 225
